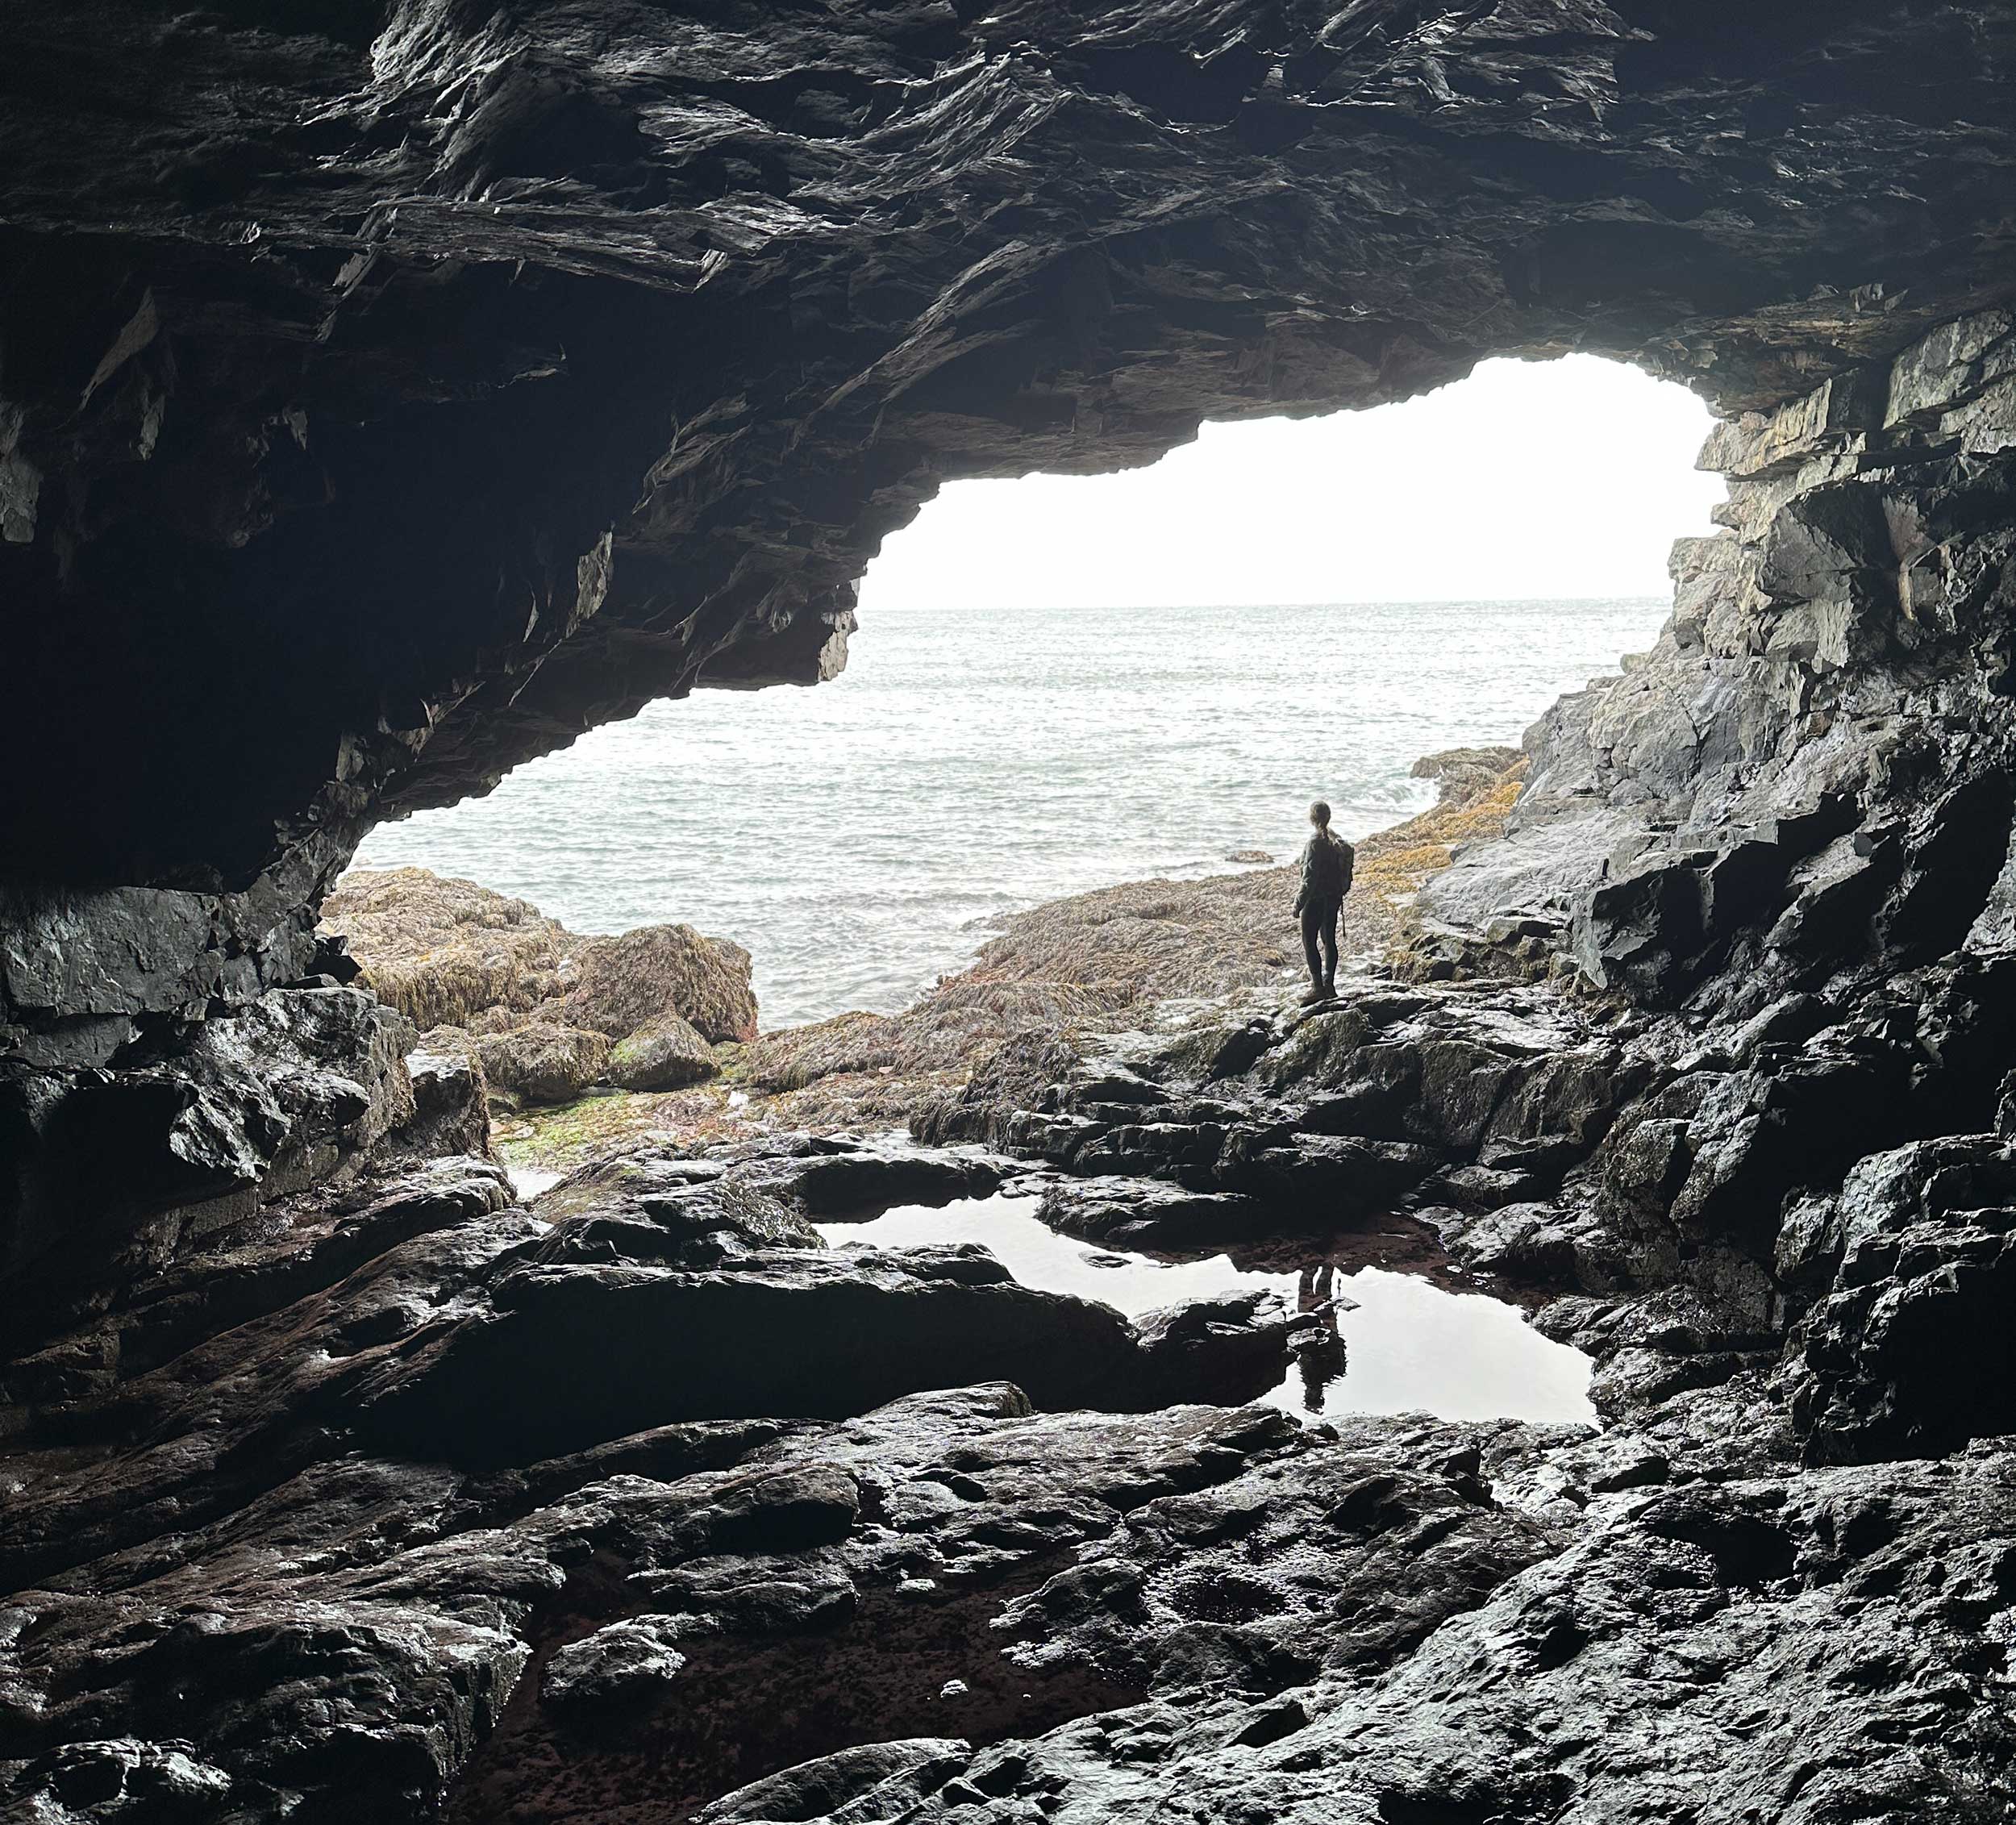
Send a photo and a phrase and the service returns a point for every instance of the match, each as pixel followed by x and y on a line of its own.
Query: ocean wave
pixel 860 839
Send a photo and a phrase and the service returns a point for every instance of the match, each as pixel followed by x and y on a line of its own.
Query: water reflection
pixel 1320 1346
pixel 1373 1340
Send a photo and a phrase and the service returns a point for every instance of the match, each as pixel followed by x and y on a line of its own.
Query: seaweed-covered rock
pixel 448 953
pixel 663 1054
pixel 620 984
pixel 544 1061
pixel 441 950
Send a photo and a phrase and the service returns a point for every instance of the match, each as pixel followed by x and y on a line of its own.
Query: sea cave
pixel 394 391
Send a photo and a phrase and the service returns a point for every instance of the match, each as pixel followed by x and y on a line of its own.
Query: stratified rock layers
pixel 391 391
pixel 396 391
pixel 947 1606
pixel 1805 785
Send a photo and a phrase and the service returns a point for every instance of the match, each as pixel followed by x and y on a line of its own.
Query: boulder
pixel 1911 1351
pixel 795 1333
pixel 442 950
pixel 450 1097
pixel 1464 775
pixel 455 956
pixel 622 983
pixel 665 1054
pixel 543 1061
pixel 627 1663
pixel 841 1178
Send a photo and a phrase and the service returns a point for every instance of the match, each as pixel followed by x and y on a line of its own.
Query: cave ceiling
pixel 388 395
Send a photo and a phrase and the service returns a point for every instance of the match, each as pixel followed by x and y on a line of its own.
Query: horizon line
pixel 1363 601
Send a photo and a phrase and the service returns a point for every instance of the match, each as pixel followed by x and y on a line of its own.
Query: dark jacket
pixel 1326 869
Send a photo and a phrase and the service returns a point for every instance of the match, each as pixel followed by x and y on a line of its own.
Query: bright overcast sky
pixel 1530 479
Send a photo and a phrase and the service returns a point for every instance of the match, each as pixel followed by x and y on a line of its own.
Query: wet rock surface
pixel 256 1512
pixel 391 393
pixel 115 1170
pixel 1747 823
pixel 351 1519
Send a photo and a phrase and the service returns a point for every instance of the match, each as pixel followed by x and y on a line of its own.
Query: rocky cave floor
pixel 637 1502
pixel 393 393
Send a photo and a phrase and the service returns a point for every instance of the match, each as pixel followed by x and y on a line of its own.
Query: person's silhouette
pixel 1319 1352
pixel 1326 870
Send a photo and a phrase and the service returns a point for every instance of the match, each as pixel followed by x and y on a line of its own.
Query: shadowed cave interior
pixel 389 393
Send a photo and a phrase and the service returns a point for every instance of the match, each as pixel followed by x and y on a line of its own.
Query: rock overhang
pixel 404 389
pixel 400 391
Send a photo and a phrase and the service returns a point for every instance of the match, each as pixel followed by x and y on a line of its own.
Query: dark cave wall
pixel 386 406
pixel 1805 785
pixel 390 393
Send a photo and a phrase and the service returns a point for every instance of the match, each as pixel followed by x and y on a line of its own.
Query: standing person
pixel 1327 866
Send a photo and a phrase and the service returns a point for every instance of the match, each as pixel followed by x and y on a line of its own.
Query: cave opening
pixel 392 391
pixel 1065 683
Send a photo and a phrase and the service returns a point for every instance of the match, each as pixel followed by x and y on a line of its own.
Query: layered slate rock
pixel 204 1536
pixel 1806 781
pixel 1474 1097
pixel 471 375
pixel 391 391
pixel 951 1606
pixel 1720 1206
pixel 1744 1649
pixel 113 1171
pixel 575 1510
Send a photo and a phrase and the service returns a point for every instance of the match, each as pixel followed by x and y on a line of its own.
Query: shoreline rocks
pixel 549 1014
pixel 1095 962
pixel 392 394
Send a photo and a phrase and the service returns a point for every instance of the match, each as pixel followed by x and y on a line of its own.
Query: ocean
pixel 859 837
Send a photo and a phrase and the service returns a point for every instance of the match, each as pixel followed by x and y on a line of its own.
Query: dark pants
pixel 1319 922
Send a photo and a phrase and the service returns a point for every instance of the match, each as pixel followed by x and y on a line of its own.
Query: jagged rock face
pixel 389 393
pixel 394 392
pixel 226 1602
pixel 1818 1203
pixel 111 1173
pixel 1804 788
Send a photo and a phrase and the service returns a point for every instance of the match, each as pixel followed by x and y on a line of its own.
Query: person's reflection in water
pixel 1319 1352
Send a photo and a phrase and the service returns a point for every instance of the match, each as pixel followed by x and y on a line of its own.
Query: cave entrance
pixel 1062 683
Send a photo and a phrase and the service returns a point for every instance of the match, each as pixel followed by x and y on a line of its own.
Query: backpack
pixel 1331 860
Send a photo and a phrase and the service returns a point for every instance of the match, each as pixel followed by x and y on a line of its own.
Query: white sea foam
pixel 861 838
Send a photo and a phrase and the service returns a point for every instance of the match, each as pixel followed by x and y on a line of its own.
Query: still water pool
pixel 1401 1344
